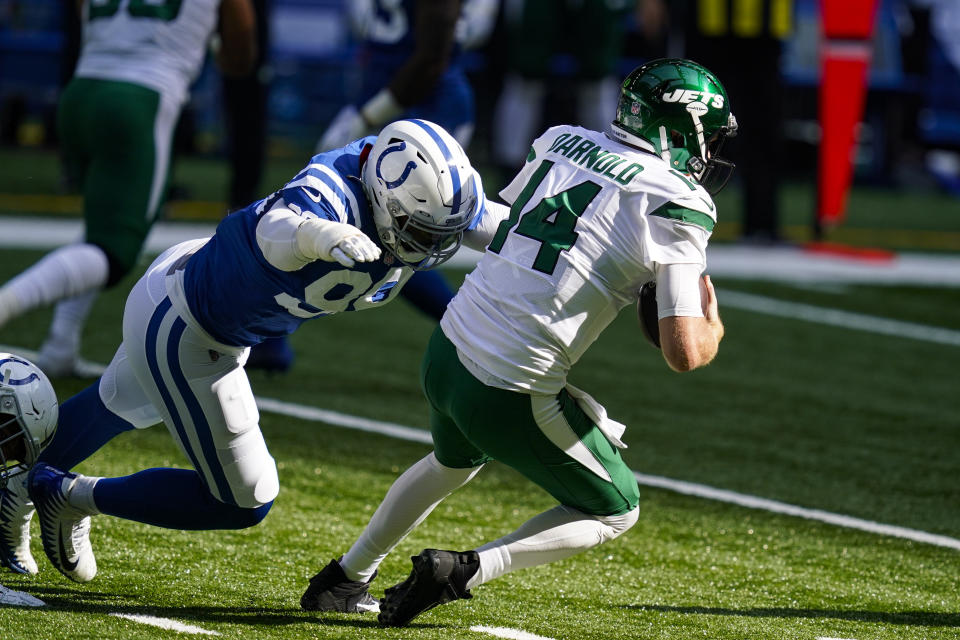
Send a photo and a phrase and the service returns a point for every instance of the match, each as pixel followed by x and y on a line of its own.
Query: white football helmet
pixel 423 192
pixel 28 414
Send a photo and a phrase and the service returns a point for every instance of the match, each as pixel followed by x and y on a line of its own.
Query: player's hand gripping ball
pixel 647 313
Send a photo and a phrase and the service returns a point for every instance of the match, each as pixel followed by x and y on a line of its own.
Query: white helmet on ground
pixel 423 192
pixel 28 414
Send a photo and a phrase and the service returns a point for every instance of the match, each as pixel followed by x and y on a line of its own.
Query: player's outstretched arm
pixel 237 54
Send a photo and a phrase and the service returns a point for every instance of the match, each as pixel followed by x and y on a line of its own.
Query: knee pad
pixel 252 474
pixel 253 485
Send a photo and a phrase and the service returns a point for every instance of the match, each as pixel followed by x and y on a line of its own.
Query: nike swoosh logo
pixel 69 566
pixel 315 198
pixel 709 204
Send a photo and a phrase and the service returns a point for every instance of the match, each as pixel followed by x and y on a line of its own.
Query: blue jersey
pixel 388 44
pixel 241 299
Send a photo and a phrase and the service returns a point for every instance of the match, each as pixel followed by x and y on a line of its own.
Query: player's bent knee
pixel 234 517
pixel 616 525
pixel 255 490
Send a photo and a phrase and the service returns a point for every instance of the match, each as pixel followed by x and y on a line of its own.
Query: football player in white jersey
pixel 116 119
pixel 345 234
pixel 593 217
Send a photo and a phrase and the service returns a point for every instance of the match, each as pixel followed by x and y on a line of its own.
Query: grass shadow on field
pixel 909 618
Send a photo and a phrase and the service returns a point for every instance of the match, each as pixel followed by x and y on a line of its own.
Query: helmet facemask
pixel 17 449
pixel 416 242
pixel 714 174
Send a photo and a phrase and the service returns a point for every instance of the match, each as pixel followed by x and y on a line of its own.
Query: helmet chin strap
pixel 664 144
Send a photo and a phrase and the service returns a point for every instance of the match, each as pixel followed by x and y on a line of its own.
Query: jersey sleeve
pixel 277 238
pixel 485 226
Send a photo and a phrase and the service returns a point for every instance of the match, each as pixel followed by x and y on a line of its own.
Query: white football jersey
pixel 160 44
pixel 590 222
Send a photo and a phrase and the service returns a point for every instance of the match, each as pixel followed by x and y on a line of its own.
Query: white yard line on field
pixel 166 623
pixel 507 632
pixel 837 318
pixel 679 486
pixel 826 638
pixel 754 502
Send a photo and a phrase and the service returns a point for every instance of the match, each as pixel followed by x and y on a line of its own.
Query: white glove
pixel 355 249
pixel 335 242
pixel 346 126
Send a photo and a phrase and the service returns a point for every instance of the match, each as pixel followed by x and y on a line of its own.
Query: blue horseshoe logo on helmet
pixel 12 382
pixel 391 184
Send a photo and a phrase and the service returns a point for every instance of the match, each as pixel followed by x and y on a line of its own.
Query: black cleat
pixel 438 577
pixel 331 590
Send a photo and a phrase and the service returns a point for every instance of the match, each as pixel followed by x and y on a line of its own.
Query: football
pixel 647 313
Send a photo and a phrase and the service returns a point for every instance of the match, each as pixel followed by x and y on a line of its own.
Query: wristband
pixel 381 108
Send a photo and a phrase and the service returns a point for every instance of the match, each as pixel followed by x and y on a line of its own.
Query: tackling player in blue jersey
pixel 344 235
pixel 411 67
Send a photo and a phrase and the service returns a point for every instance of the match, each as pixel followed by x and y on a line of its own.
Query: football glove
pixel 335 242
pixel 647 313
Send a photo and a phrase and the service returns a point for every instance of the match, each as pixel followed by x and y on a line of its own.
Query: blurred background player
pixel 344 235
pixel 553 277
pixel 28 420
pixel 116 119
pixel 410 66
pixel 245 107
pixel 591 32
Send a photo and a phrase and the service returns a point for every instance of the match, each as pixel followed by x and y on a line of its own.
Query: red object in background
pixel 845 55
pixel 847 18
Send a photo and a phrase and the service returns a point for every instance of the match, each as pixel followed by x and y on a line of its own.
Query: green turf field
pixel 846 421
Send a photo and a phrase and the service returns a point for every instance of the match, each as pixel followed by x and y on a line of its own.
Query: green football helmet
pixel 678 110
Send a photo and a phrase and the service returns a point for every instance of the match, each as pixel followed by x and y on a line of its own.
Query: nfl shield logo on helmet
pixel 635 108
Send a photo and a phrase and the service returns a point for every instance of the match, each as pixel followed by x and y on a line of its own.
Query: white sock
pixel 411 499
pixel 550 536
pixel 69 317
pixel 597 103
pixel 63 273
pixel 516 118
pixel 80 495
